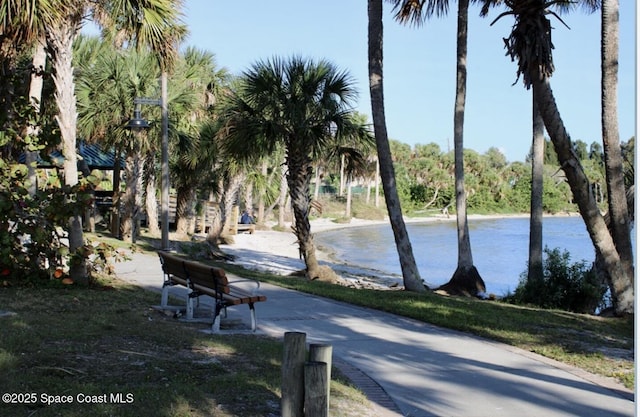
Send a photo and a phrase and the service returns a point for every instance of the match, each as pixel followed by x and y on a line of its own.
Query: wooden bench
pixel 242 227
pixel 208 280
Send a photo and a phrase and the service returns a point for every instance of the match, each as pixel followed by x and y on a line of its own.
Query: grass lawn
pixel 103 352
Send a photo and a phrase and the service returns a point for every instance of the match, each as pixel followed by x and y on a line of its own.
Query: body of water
pixel 499 246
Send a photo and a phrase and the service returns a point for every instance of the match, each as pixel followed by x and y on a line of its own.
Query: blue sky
pixel 419 66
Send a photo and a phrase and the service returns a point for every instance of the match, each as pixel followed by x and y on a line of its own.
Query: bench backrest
pixel 172 265
pixel 195 272
pixel 207 276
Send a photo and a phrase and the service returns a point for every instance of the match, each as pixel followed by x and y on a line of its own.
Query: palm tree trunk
pixel 216 225
pixel 621 284
pixel 115 198
pixel 261 199
pixel 617 200
pixel 299 181
pixel 184 209
pixel 60 39
pixel 316 189
pixel 347 210
pixel 535 271
pixel 130 198
pixel 410 273
pixel 466 279
pixel 151 199
pixel 342 178
pixel 35 97
pixel 283 196
pixel 229 199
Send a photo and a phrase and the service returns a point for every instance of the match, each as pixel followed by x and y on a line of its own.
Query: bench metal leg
pixel 217 309
pixel 190 306
pixel 164 300
pixel 253 318
pixel 215 327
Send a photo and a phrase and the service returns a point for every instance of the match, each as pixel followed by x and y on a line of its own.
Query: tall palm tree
pixel 613 161
pixel 465 279
pixel 298 103
pixel 410 274
pixel 530 45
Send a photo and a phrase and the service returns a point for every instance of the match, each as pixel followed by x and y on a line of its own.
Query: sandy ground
pixel 277 252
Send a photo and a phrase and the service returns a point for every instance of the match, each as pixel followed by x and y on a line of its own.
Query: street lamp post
pixel 138 123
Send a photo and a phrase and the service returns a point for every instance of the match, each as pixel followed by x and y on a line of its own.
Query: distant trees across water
pixel 425 178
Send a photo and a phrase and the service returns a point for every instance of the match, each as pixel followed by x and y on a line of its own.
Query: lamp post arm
pixel 147 101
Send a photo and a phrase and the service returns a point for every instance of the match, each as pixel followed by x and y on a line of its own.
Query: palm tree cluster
pixel 267 130
pixel 295 113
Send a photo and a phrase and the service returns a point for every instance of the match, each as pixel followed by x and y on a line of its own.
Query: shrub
pixel 568 286
pixel 34 245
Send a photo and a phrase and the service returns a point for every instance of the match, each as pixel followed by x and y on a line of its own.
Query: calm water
pixel 500 248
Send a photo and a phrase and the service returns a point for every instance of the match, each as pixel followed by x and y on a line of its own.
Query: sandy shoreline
pixel 277 252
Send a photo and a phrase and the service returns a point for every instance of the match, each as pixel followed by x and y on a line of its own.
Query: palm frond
pixel 417 12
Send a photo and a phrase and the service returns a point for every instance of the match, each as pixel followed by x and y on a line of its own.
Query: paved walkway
pixel 415 369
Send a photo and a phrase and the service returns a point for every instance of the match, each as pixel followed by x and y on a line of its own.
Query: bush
pixel 568 286
pixel 34 245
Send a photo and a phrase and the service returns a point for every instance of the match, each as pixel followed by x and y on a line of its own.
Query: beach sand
pixel 277 252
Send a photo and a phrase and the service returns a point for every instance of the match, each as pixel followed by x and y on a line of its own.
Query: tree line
pixel 425 176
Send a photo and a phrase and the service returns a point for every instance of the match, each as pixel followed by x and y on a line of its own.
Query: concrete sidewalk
pixel 415 369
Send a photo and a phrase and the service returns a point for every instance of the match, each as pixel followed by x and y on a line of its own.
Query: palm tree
pixel 297 103
pixel 530 45
pixel 196 84
pixel 617 200
pixel 465 279
pixel 410 274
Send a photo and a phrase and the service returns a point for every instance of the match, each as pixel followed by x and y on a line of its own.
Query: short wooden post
pixel 316 402
pixel 292 402
pixel 323 353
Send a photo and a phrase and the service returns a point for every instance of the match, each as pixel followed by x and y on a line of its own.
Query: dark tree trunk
pixel 410 273
pixel 617 200
pixel 621 284
pixel 185 216
pixel 465 280
pixel 299 180
pixel 535 268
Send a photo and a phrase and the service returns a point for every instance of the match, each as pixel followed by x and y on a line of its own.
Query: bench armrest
pixel 254 283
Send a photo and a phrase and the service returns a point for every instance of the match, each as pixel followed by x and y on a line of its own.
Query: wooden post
pixel 322 353
pixel 292 402
pixel 316 402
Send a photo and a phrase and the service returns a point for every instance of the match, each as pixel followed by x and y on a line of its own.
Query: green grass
pixel 105 340
pixel 600 345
